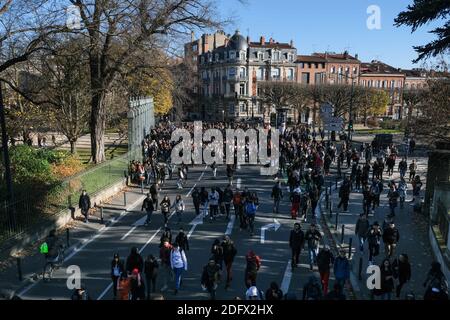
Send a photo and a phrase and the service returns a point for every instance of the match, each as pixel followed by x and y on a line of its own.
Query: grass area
pixel 111 153
pixel 378 131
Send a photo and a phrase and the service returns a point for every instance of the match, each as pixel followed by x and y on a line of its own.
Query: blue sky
pixel 333 25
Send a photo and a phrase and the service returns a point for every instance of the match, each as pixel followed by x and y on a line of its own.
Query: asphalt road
pixel 95 257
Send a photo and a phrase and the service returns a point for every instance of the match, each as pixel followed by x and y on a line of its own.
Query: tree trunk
pixel 97 126
pixel 365 118
pixel 73 146
pixel 314 114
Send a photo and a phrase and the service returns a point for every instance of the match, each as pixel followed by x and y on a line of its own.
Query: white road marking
pixel 238 184
pixel 197 220
pixel 287 278
pixel 230 225
pixel 203 173
pixel 275 226
pixel 86 242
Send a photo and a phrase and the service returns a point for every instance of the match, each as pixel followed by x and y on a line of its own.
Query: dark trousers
pixel 197 208
pixel 166 217
pixel 85 213
pixel 400 286
pixel 296 255
pixel 344 201
pixel 228 265
pixel 115 281
pixel 374 250
pixel 214 209
pixel 149 216
pixel 227 209
pixel 250 278
pixel 151 285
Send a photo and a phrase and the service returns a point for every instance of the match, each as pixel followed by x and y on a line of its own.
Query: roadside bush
pixel 393 124
pixel 67 167
pixel 29 164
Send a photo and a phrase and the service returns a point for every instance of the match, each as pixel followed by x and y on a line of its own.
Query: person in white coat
pixel 178 262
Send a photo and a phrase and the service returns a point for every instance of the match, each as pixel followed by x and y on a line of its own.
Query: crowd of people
pixel 306 162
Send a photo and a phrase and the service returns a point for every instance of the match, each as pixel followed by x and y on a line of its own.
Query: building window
pixel 195 48
pixel 318 78
pixel 302 65
pixel 242 108
pixel 305 77
pixel 242 73
pixel 232 55
pixel 243 56
pixel 290 74
pixel 291 58
pixel 232 72
pixel 392 84
pixel 260 56
pixel 242 89
pixel 340 70
pixel 275 73
pixel 231 109
pixel 260 74
pixel 355 70
pixel 347 70
pixel 260 108
pixel 378 84
pixel 276 56
pixel 333 69
pixel 194 58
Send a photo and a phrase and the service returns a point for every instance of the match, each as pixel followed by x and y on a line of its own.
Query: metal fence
pixel 443 220
pixel 28 211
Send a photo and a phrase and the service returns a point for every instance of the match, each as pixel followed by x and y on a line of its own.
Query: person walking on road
pixel 251 270
pixel 250 213
pixel 211 277
pixel 417 186
pixel 137 285
pixel 165 236
pixel 117 269
pixel 204 201
pixel 84 203
pixel 217 252
pixel 412 170
pixel 213 199
pixel 230 173
pixel 313 238
pixel 229 252
pixel 312 289
pixel 391 236
pixel 341 269
pixel 295 202
pixel 151 273
pixel 277 195
pixel 134 261
pixel 344 194
pixel 179 207
pixel 367 200
pixel 227 198
pixel 361 230
pixel 178 263
pixel 374 239
pixel 325 260
pixel 401 271
pixel 148 206
pixel 196 200
pixel 296 243
pixel 165 208
pixel 274 293
pixel 402 190
pixel 182 240
pixel 387 280
pixel 154 193
pixel 164 255
pixel 402 167
pixel 393 196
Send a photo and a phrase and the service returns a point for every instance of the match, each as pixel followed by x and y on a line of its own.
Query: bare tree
pixel 134 25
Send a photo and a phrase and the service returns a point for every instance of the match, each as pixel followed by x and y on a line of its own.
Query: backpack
pixel 251 209
pixel 43 248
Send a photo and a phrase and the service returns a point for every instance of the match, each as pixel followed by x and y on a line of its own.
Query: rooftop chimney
pixel 262 40
pixel 292 43
pixel 215 42
pixel 356 56
pixel 271 41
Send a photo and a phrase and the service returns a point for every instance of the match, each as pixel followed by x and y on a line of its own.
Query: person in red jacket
pixel 251 270
pixel 166 270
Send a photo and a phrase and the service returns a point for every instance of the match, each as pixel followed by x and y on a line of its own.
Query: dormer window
pixel 232 55
pixel 260 56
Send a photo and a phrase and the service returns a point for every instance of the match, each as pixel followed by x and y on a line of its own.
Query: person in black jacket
pixel 182 240
pixel 227 198
pixel 402 272
pixel 154 193
pixel 84 203
pixel 196 199
pixel 344 194
pixel 149 208
pixel 151 273
pixel 274 292
pixel 134 261
pixel 117 269
pixel 313 238
pixel 166 236
pixel 229 252
pixel 277 195
pixel 325 260
pixel 391 236
pixel 217 253
pixel 374 238
pixel 211 277
pixel 296 242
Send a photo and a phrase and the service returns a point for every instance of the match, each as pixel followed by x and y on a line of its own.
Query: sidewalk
pixel 413 231
pixel 80 234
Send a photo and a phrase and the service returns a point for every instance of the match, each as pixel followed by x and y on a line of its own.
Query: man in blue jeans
pixel 313 238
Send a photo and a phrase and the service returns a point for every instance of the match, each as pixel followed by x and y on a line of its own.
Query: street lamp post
pixel 253 106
